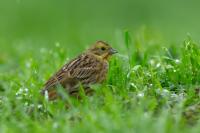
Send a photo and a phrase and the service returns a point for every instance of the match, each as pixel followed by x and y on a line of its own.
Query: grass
pixel 151 87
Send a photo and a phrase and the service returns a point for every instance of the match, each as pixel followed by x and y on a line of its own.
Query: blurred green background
pixel 152 83
pixel 76 22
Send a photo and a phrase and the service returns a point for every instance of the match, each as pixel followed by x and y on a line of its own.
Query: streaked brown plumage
pixel 88 68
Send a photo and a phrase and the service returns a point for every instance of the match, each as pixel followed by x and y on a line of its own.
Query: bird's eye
pixel 103 48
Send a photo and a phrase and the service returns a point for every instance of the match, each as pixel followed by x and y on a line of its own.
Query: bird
pixel 88 68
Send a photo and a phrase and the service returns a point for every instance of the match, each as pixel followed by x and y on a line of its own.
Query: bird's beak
pixel 113 51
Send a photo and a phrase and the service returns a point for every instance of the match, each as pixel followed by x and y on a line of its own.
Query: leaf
pixel 127 39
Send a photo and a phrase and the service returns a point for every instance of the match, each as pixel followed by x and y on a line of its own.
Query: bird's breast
pixel 103 72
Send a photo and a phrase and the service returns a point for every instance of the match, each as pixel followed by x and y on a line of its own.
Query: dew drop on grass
pixel 19 91
pixel 140 94
pixel 22 92
pixel 177 61
pixel 133 85
pixel 158 65
pixel 150 85
pixel 148 74
pixel 39 106
pixel 136 68
pixel 26 89
pixel 46 95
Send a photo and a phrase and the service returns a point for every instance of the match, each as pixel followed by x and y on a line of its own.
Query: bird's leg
pixel 88 91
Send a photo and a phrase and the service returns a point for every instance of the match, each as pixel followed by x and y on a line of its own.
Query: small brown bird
pixel 88 68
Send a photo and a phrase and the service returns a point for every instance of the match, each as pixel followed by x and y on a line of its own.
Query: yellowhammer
pixel 88 68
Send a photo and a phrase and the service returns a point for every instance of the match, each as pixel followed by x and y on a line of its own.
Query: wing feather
pixel 81 68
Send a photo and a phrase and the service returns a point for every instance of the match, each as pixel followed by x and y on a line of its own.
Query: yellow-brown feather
pixel 89 68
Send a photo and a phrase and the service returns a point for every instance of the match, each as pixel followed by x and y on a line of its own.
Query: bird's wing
pixel 85 69
pixel 81 68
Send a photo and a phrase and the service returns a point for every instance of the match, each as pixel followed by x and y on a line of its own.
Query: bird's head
pixel 102 50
